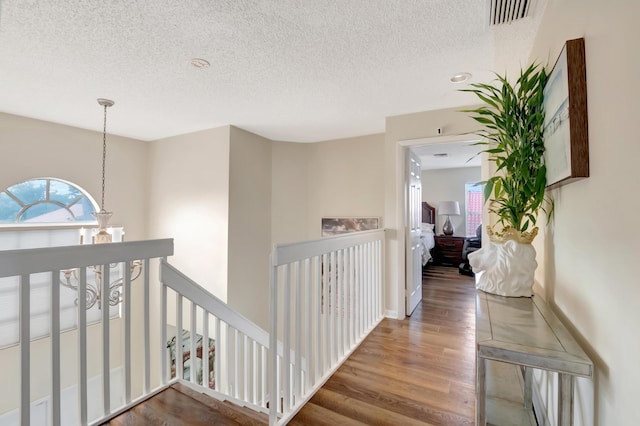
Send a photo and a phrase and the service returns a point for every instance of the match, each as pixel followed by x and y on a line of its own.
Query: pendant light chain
pixel 105 103
pixel 104 154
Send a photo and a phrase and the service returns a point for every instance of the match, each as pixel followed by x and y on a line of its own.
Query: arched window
pixel 53 206
pixel 46 200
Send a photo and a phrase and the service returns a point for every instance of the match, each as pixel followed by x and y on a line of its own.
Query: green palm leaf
pixel 512 120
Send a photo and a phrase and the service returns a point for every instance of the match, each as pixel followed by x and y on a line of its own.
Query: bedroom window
pixel 473 207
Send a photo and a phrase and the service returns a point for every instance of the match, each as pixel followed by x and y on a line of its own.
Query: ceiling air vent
pixel 507 11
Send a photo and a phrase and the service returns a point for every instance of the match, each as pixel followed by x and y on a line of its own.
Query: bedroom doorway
pixel 447 163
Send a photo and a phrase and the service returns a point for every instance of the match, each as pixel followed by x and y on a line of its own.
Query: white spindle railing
pixel 326 296
pixel 25 263
pixel 240 355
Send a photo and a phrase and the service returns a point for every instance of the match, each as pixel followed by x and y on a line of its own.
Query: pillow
pixel 428 227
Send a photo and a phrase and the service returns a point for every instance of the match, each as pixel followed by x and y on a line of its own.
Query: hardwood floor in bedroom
pixel 420 371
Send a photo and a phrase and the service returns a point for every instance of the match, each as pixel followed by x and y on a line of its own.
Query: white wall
pixel 189 201
pixel 249 225
pixel 449 185
pixel 332 178
pixel 289 194
pixel 590 268
pixel 345 179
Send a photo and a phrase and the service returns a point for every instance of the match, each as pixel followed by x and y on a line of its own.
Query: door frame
pixel 402 148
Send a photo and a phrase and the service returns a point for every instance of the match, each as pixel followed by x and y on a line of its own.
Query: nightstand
pixel 448 249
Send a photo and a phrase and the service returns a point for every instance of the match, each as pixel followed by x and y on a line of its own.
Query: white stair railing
pixel 326 296
pixel 238 352
pixel 26 264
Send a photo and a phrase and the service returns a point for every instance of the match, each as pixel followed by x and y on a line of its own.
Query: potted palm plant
pixel 513 119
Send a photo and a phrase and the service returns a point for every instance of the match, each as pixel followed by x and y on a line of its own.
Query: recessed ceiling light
pixel 200 63
pixel 460 77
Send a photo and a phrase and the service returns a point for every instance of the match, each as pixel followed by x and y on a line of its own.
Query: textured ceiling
pixel 296 70
pixel 448 155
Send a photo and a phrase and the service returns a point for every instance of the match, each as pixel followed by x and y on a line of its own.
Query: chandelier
pixel 69 277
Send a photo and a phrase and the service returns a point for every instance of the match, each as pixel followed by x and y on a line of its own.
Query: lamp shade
pixel 449 208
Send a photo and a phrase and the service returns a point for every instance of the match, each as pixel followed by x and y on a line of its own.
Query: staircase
pixel 180 404
pixel 178 355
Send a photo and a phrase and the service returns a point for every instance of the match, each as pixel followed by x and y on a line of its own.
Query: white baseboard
pixel 391 314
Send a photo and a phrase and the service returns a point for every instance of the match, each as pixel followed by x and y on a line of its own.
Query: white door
pixel 413 211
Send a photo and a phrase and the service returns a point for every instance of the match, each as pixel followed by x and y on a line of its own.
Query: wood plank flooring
pixel 415 372
pixel 180 405
pixel 418 371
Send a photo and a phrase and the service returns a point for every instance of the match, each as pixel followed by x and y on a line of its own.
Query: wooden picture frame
pixel 566 137
pixel 344 225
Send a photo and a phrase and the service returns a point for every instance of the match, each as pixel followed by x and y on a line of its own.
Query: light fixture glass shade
pixel 451 208
pixel 103 220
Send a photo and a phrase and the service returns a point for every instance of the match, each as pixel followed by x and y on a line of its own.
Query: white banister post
pixel 218 355
pixel 25 349
pixel 245 365
pixel 254 386
pixel 55 347
pixel 380 272
pixel 273 343
pixel 317 356
pixel 297 376
pixel 205 348
pixel 331 312
pixel 324 342
pixel 345 300
pixel 339 303
pixel 235 356
pixel 126 304
pixel 308 328
pixel 264 367
pixel 369 286
pixel 106 370
pixel 179 342
pixel 193 349
pixel 286 339
pixel 163 337
pixel 82 347
pixel 146 326
pixel 352 296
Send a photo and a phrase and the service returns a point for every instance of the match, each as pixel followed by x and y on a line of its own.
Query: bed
pixel 427 236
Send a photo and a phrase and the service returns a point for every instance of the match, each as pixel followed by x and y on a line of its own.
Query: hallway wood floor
pixel 415 372
pixel 419 371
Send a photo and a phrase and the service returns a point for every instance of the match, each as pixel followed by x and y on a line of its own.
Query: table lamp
pixel 448 208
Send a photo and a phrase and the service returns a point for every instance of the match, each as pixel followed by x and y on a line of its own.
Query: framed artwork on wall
pixel 343 225
pixel 566 137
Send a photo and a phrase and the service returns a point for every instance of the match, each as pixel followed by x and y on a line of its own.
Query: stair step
pixel 181 405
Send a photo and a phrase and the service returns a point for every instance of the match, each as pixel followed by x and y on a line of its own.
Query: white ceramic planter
pixel 507 268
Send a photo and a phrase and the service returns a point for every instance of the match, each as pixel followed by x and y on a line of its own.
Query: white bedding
pixel 428 241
